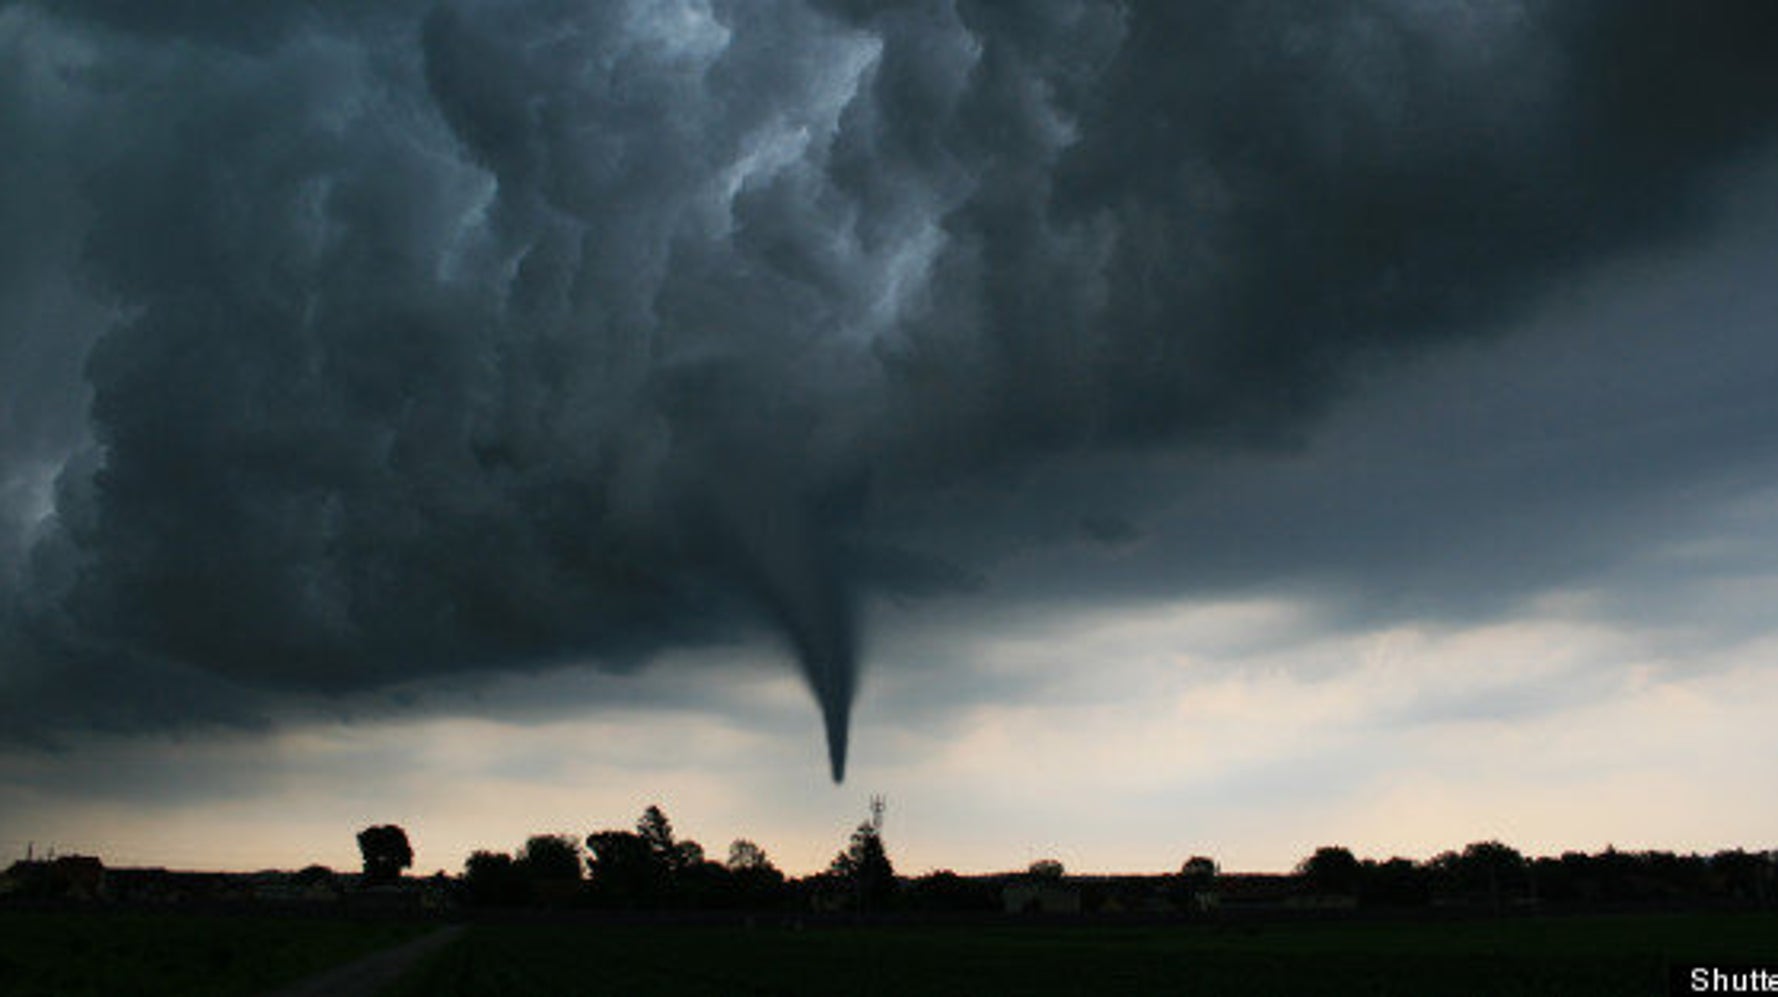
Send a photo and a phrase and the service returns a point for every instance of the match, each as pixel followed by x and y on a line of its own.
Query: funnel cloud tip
pixel 836 720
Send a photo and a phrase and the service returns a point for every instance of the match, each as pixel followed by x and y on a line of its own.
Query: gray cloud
pixel 1617 453
pixel 499 334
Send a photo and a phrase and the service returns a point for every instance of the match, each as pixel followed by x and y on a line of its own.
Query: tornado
pixel 780 545
pixel 823 631
pixel 837 720
pixel 834 683
pixel 827 657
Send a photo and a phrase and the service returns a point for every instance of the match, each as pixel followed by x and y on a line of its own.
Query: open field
pixel 105 954
pixel 1615 955
pixel 81 953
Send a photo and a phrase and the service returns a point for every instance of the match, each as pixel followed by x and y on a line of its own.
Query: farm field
pixel 116 954
pixel 1604 955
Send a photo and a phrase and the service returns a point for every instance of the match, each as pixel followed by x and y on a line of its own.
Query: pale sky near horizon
pixel 1112 432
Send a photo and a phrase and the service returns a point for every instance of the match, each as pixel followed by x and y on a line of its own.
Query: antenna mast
pixel 877 806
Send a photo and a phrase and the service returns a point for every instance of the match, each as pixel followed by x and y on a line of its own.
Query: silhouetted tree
pixel 650 865
pixel 549 865
pixel 1199 872
pixel 865 866
pixel 744 855
pixel 552 857
pixel 493 879
pixel 671 856
pixel 1195 887
pixel 385 851
pixel 1491 869
pixel 623 868
pixel 1332 869
pixel 686 855
pixel 1045 869
pixel 752 876
pixel 656 831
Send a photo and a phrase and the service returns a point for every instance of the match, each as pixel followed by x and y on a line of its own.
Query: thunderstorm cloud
pixel 351 346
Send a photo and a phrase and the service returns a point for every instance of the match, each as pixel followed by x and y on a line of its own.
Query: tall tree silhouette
pixel 623 868
pixel 656 829
pixel 386 852
pixel 866 867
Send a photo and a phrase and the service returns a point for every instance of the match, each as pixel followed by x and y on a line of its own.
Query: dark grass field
pixel 147 955
pixel 79 953
pixel 1603 955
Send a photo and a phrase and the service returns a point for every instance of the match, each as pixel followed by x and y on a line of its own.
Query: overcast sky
pixel 1112 431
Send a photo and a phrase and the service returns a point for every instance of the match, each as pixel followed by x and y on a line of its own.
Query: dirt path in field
pixel 366 976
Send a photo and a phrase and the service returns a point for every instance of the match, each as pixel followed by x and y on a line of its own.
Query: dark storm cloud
pixel 250 26
pixel 42 399
pixel 1618 454
pixel 495 334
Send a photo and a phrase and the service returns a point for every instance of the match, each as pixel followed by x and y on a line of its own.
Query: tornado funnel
pixel 798 574
pixel 821 632
pixel 838 725
pixel 834 693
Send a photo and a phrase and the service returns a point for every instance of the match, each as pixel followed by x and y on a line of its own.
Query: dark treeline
pixel 647 867
pixel 650 868
pixel 1489 873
